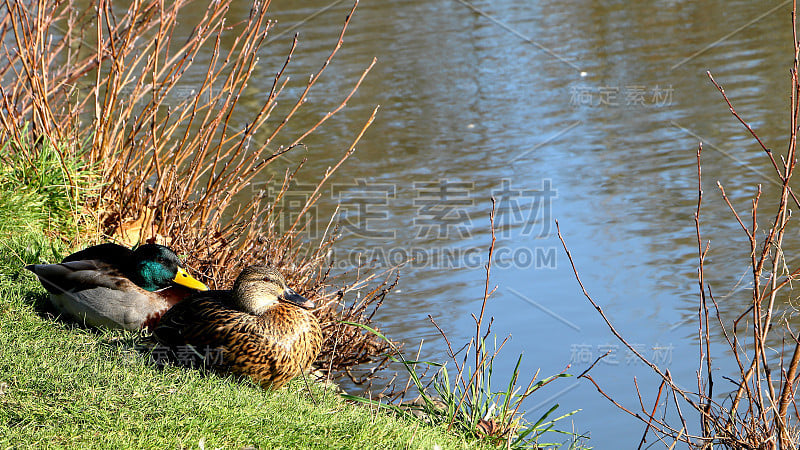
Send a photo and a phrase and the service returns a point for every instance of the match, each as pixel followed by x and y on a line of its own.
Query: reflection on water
pixel 585 112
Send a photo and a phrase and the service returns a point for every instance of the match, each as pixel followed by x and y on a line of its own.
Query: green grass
pixel 65 386
pixel 41 188
pixel 472 404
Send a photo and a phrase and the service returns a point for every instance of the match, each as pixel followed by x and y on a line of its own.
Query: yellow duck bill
pixel 184 279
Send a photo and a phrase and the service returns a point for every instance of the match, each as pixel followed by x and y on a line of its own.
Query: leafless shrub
pixel 180 174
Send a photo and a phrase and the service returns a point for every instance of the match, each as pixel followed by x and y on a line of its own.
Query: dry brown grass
pixel 180 174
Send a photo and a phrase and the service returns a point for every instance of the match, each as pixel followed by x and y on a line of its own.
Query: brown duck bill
pixel 296 299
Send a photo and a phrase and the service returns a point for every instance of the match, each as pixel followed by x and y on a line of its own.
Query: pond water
pixel 585 112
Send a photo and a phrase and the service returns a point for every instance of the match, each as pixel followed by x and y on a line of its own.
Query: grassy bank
pixel 63 385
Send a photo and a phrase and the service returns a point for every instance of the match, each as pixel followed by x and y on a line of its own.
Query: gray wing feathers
pixel 76 275
pixel 95 295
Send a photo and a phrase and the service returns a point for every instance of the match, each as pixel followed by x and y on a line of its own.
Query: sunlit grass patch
pixel 44 186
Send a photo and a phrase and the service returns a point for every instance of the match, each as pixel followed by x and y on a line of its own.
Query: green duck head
pixel 155 267
pixel 259 288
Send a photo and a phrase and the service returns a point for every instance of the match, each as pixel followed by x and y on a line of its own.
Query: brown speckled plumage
pixel 256 329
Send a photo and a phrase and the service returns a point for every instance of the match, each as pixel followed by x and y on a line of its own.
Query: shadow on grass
pixel 40 302
pixel 139 343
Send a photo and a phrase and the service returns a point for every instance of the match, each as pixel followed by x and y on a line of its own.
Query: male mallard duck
pixel 113 286
pixel 259 328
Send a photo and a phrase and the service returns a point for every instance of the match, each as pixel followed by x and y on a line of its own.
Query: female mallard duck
pixel 113 286
pixel 259 328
